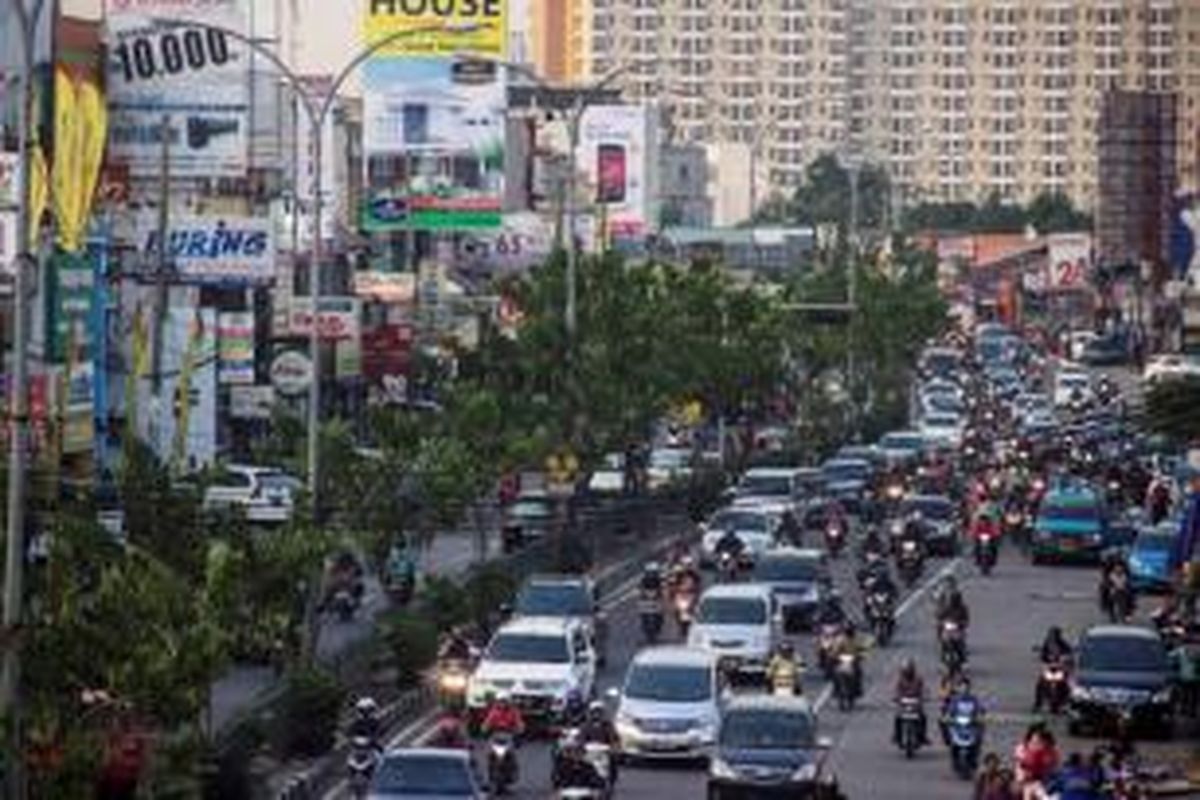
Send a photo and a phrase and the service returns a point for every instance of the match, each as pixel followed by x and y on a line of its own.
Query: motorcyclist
pixel 597 728
pixel 1055 648
pixel 874 576
pixel 730 543
pixel 953 607
pixel 1158 498
pixel 847 644
pixel 574 771
pixel 790 531
pixel 960 695
pixel 1114 581
pixel 910 686
pixel 784 667
pixel 365 722
pixel 503 717
pixel 872 543
pixel 686 577
pixel 651 582
pixel 984 523
pixel 914 526
pixel 575 709
pixel 455 646
pixel 830 612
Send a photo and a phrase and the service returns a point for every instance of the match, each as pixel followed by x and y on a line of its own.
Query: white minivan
pixel 737 623
pixel 668 707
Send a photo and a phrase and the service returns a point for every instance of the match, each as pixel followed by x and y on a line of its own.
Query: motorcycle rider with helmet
pixel 910 686
pixel 503 717
pixel 784 667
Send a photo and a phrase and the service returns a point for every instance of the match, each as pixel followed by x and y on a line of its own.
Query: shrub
pixel 487 589
pixel 413 641
pixel 309 711
pixel 444 602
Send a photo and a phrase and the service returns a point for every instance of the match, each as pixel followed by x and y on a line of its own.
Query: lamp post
pixel 14 557
pixel 317 109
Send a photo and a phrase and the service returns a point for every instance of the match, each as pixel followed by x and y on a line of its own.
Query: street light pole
pixel 317 110
pixel 14 556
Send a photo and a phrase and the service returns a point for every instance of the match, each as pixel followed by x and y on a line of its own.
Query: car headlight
pixel 1162 696
pixel 720 770
pixel 806 773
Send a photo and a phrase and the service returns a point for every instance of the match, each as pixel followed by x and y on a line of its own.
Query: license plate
pixel 663 745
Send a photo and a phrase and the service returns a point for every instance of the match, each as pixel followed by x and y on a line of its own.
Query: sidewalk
pixel 245 686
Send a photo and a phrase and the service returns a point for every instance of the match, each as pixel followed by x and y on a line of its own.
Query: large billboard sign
pixel 215 250
pixel 434 117
pixel 450 27
pixel 193 78
pixel 615 148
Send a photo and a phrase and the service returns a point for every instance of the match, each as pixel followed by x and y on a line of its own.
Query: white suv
pixel 737 623
pixel 668 707
pixel 538 661
pixel 264 494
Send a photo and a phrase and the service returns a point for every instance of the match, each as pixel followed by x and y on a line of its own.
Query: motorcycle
pixel 881 616
pixel 502 762
pixel 727 567
pixel 344 603
pixel 651 615
pixel 452 678
pixel 835 539
pixel 598 754
pixel 963 734
pixel 845 681
pixel 954 645
pixel 1053 689
pixel 910 562
pixel 908 726
pixel 685 611
pixel 360 765
pixel 985 554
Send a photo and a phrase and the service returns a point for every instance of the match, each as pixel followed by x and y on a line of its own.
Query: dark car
pixel 428 774
pixel 847 480
pixel 529 518
pixel 1105 351
pixel 1122 673
pixel 768 747
pixel 939 519
pixel 800 581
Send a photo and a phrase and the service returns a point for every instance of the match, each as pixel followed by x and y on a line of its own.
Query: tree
pixel 825 196
pixel 1053 212
pixel 1049 212
pixel 1171 410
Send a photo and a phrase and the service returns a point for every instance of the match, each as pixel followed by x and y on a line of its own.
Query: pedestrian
pixel 1036 758
pixel 993 781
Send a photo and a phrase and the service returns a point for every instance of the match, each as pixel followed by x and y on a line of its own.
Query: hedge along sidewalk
pixel 321 777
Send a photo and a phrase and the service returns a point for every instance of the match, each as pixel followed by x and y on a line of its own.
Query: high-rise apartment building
pixel 959 98
pixel 559 32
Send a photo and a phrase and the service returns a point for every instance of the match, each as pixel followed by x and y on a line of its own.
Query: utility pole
pixel 14 563
pixel 161 292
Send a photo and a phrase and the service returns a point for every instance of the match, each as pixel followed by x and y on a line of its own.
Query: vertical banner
pixel 438 113
pixel 186 423
pixel 317 87
pixel 235 355
pixel 196 77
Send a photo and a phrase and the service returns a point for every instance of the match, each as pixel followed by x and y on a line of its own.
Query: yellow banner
pixel 80 129
pixel 39 195
pixel 470 27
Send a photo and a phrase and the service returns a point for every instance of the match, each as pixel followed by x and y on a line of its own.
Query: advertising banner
pixel 317 88
pixel 235 348
pixel 467 26
pixel 8 243
pixel 182 424
pixel 522 240
pixel 1070 261
pixel 339 318
pixel 196 78
pixel 10 180
pixel 616 145
pixel 251 402
pixel 215 250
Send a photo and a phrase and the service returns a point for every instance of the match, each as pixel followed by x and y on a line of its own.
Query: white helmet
pixel 366 706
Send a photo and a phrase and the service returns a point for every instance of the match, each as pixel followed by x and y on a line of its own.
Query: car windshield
pixel 278 480
pixel 1155 543
pixel 732 611
pixel 901 441
pixel 786 569
pixel 530 508
pixel 554 600
pixel 942 422
pixel 740 521
pixel 1082 511
pixel 526 647
pixel 672 684
pixel 668 459
pixel 422 775
pixel 765 485
pixel 766 730
pixel 1073 381
pixel 930 507
pixel 846 471
pixel 1122 654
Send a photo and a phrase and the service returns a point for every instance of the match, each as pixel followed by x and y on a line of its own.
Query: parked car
pixel 426 773
pixel 266 495
pixel 1122 673
pixel 668 706
pixel 1170 366
pixel 539 661
pixel 768 747
pixel 530 517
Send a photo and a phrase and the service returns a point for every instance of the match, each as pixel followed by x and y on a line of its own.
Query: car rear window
pixel 787 569
pixel 669 683
pixel 1081 512
pixel 766 729
pixel 554 600
pixel 418 775
pixel 1122 654
pixel 520 647
pixel 732 611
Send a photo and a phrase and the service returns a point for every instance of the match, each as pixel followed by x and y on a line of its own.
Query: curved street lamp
pixel 317 110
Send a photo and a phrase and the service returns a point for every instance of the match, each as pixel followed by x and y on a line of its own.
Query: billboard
pixel 235 348
pixel 1069 261
pixel 338 319
pixel 616 146
pixel 444 120
pixel 214 250
pixel 195 79
pixel 467 26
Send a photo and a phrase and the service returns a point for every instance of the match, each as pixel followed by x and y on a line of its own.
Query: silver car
pixel 668 707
